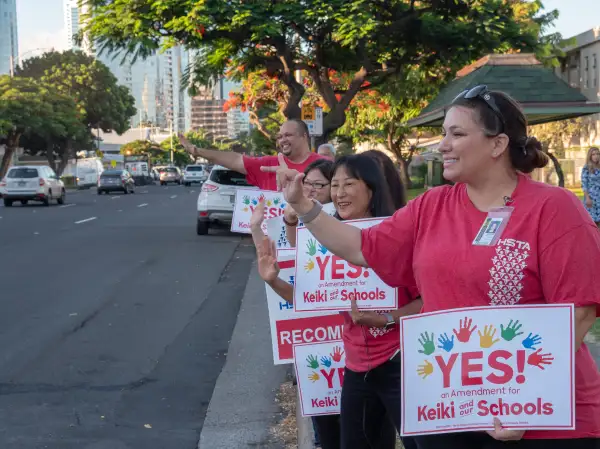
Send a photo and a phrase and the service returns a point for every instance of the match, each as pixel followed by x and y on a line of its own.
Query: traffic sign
pixel 113 163
pixel 308 112
pixel 315 126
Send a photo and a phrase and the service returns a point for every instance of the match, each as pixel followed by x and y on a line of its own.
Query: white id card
pixel 493 226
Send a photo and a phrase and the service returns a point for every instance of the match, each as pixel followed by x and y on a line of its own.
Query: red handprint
pixel 539 360
pixel 464 333
pixel 337 354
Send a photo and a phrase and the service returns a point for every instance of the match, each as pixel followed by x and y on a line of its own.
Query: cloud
pixel 30 43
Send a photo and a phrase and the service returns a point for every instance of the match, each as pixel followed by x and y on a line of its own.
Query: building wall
pixel 9 40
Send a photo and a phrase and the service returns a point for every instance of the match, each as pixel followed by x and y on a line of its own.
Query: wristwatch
pixel 312 213
pixel 390 320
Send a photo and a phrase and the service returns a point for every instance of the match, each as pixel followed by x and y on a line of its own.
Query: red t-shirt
pixel 549 230
pixel 268 181
pixel 368 347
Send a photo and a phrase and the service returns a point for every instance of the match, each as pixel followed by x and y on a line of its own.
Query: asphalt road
pixel 115 320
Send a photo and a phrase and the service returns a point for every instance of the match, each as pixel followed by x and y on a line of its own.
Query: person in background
pixel 590 183
pixel 293 142
pixel 392 177
pixel 327 150
pixel 430 243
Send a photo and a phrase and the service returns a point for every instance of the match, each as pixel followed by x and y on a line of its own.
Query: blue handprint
pixel 322 249
pixel 326 361
pixel 445 343
pixel 530 341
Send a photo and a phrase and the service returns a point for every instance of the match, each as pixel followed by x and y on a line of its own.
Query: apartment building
pixel 9 39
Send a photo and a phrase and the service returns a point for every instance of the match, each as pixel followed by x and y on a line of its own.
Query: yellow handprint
pixel 269 203
pixel 314 377
pixel 425 370
pixel 310 265
pixel 486 340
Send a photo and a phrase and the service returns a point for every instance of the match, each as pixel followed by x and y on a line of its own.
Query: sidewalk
pixel 242 408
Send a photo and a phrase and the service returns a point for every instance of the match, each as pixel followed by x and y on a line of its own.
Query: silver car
pixel 170 175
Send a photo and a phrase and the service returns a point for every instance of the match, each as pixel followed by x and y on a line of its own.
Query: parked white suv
pixel 217 197
pixel 194 173
pixel 32 183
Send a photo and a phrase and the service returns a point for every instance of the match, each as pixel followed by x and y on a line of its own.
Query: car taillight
pixel 209 188
pixel 3 183
pixel 42 182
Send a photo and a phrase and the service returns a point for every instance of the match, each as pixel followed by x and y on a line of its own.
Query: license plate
pixel 22 183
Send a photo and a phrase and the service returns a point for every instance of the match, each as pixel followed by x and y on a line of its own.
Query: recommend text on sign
pixel 327 282
pixel 462 368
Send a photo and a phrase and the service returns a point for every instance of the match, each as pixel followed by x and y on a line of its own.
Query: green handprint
pixel 511 330
pixel 246 200
pixel 312 247
pixel 313 363
pixel 276 201
pixel 427 343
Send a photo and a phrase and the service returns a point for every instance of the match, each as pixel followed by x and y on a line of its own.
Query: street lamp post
pixel 20 58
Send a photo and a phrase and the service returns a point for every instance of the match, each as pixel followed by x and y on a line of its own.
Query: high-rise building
pixel 9 40
pixel 71 12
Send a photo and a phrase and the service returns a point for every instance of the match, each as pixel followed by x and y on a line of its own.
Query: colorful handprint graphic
pixel 465 331
pixel 539 360
pixel 511 331
pixel 427 342
pixel 425 370
pixel 326 361
pixel 337 354
pixel 486 340
pixel 309 266
pixel 531 341
pixel 314 377
pixel 312 362
pixel 446 343
pixel 322 249
pixel 311 247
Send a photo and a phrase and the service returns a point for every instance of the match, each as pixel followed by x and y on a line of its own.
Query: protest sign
pixel 276 228
pixel 288 327
pixel 327 282
pixel 463 367
pixel 246 201
pixel 320 376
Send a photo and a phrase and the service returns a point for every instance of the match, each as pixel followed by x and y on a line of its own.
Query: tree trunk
pixel 558 169
pixel 50 157
pixel 404 172
pixel 11 146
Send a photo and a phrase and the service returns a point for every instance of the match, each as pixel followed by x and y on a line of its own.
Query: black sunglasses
pixel 482 92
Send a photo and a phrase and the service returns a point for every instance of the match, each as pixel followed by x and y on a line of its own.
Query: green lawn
pixel 577 191
pixel 413 193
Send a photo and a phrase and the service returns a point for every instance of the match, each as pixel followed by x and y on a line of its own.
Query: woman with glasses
pixel 429 244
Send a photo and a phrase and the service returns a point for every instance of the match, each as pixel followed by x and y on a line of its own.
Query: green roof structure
pixel 542 94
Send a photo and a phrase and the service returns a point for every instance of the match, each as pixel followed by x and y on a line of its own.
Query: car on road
pixel 170 175
pixel 116 181
pixel 32 183
pixel 194 174
pixel 217 197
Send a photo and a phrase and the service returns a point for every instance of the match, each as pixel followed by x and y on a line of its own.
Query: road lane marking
pixel 143 205
pixel 173 197
pixel 114 197
pixel 66 205
pixel 86 220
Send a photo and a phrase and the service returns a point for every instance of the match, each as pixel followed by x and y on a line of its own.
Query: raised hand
pixel 312 362
pixel 257 217
pixel 425 370
pixel 311 247
pixel 187 145
pixel 464 331
pixel 539 360
pixel 530 342
pixel 268 268
pixel 314 377
pixel 486 340
pixel 337 354
pixel 289 181
pixel 511 330
pixel 445 343
pixel 427 343
pixel 326 361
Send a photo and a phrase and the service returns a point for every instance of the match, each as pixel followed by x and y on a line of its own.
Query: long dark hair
pixel 366 169
pixel 392 177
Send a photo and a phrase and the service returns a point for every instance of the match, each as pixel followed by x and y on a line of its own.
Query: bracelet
pixel 312 213
pixel 288 223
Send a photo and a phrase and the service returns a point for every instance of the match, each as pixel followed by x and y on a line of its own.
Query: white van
pixel 86 171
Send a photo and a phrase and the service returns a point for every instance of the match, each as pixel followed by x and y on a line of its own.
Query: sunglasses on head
pixel 482 92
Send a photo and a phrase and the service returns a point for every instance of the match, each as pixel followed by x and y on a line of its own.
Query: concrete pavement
pixel 243 408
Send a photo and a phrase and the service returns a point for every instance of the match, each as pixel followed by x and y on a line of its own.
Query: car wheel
pixel 7 203
pixel 61 199
pixel 202 227
pixel 46 200
pixel 99 192
pixel 24 202
pixel 162 183
pixel 133 190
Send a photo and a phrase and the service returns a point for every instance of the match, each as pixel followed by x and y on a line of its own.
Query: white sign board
pixel 327 282
pixel 246 201
pixel 463 367
pixel 320 375
pixel 315 127
pixel 288 327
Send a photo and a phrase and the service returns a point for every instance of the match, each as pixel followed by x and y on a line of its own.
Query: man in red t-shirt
pixel 293 142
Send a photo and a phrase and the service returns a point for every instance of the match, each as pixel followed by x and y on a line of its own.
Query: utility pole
pixel 171 129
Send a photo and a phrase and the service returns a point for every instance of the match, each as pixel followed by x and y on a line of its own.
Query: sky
pixel 41 21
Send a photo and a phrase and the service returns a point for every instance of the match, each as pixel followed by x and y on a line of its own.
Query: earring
pixel 494 154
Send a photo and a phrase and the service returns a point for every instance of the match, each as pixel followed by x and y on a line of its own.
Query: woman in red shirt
pixel 428 244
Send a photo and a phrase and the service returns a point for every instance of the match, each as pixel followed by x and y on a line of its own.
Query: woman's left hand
pixel 366 318
pixel 504 434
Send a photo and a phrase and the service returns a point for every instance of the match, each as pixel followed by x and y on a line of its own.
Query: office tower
pixel 9 40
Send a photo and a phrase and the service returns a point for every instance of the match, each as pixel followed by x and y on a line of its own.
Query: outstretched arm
pixel 228 159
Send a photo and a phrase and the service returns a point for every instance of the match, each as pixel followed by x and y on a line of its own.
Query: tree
pixel 103 103
pixel 369 40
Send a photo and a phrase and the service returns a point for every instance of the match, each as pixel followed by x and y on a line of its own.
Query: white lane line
pixel 67 205
pixel 173 197
pixel 143 205
pixel 86 220
pixel 114 197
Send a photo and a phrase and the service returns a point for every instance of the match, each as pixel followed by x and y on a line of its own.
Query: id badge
pixel 493 226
